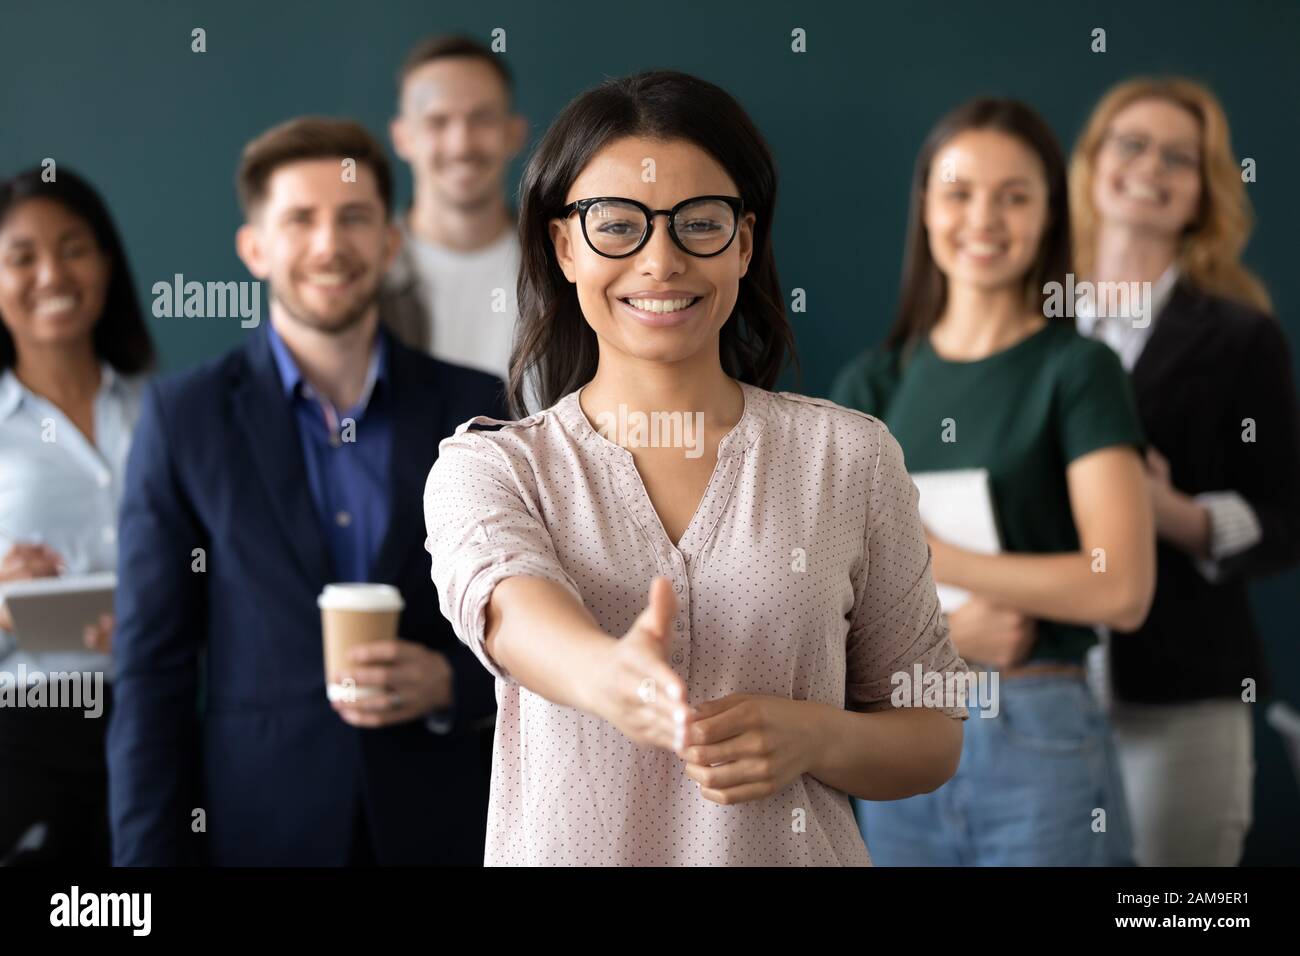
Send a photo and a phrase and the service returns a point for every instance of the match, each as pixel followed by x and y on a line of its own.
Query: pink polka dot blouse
pixel 804 574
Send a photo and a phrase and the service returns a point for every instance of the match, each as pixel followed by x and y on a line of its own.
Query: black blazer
pixel 1209 364
pixel 216 464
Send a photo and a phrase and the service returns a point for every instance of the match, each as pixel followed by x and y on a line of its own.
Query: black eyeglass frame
pixel 582 205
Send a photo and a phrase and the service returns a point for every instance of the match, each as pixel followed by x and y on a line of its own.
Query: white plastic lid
pixel 361 597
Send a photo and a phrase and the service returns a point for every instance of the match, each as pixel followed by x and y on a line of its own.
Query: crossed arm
pixel 1111 578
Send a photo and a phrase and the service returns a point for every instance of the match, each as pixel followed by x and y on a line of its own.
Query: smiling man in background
pixel 293 461
pixel 451 290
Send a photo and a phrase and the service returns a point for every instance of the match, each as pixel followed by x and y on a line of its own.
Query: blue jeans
pixel 1026 794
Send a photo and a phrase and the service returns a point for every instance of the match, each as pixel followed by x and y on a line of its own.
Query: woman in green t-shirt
pixel 982 371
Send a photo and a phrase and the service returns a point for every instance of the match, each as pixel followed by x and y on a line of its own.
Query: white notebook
pixel 957 506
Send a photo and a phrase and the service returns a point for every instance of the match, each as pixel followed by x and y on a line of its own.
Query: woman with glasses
pixel 976 374
pixel 727 717
pixel 73 344
pixel 1158 202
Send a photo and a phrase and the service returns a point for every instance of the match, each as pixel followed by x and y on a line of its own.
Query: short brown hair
pixel 444 47
pixel 309 137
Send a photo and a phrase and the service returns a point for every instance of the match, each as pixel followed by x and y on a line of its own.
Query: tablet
pixel 51 614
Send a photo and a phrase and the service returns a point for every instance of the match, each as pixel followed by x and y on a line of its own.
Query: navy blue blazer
pixel 220 700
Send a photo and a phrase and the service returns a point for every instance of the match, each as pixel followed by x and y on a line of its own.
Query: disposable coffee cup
pixel 352 615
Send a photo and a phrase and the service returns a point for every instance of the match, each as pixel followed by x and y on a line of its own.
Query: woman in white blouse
pixel 726 719
pixel 72 343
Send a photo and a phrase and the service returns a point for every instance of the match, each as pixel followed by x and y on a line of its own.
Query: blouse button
pixel 677 588
pixel 677 657
pixel 678 625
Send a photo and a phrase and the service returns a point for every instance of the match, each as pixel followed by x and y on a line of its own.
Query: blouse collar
pixel 735 442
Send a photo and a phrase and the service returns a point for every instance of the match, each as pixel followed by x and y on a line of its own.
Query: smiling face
pixel 660 304
pixel 53 275
pixel 1147 172
pixel 986 207
pixel 457 130
pixel 323 243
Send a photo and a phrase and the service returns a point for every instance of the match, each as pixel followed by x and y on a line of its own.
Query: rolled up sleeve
pixel 896 622
pixel 483 527
pixel 1234 529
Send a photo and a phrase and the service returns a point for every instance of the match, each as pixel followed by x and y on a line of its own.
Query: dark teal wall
pixel 113 90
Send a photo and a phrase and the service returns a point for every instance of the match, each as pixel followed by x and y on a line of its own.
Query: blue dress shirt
pixel 348 457
pixel 349 468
